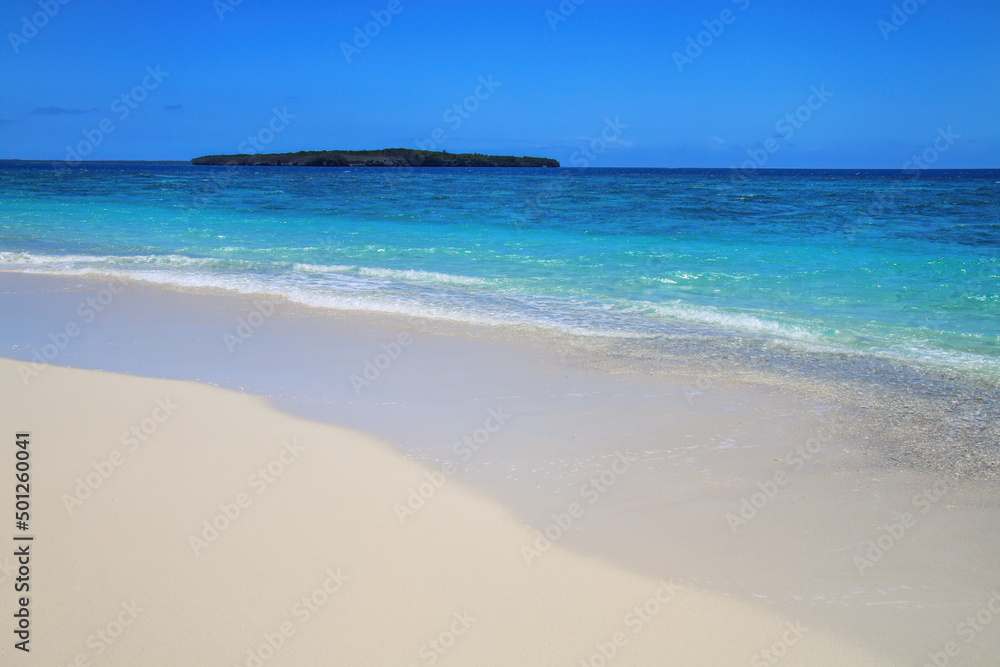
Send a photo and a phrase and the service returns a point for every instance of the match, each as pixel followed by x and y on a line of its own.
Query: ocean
pixel 900 266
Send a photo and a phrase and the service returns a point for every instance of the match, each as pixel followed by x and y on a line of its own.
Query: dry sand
pixel 115 579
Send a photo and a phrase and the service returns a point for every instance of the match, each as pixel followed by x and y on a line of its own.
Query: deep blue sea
pixel 902 267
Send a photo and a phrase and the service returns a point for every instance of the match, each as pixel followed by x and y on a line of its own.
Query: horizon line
pixel 730 168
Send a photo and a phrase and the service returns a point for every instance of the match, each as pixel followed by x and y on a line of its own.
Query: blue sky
pixel 559 75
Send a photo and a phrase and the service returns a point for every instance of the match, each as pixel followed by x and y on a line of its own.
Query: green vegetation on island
pixel 386 157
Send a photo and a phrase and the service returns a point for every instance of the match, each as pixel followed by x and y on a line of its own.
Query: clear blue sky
pixel 557 87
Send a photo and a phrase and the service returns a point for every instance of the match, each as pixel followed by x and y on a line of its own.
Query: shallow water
pixel 900 266
pixel 880 287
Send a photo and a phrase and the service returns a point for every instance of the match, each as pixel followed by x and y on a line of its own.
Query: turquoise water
pixel 902 267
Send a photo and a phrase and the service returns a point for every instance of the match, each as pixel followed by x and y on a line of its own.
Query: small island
pixel 386 157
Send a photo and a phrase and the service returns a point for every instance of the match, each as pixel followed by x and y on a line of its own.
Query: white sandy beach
pixel 318 553
pixel 181 523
